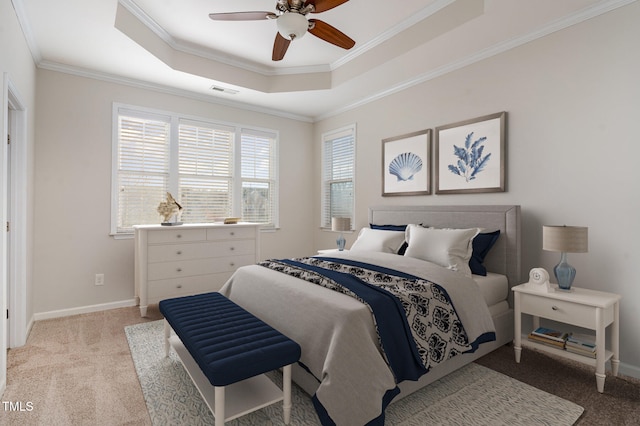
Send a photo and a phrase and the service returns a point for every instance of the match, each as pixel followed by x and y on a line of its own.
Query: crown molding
pixel 18 7
pixel 111 78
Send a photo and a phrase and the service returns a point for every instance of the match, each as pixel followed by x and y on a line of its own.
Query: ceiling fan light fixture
pixel 292 25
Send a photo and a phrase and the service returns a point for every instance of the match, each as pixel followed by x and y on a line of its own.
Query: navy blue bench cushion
pixel 228 343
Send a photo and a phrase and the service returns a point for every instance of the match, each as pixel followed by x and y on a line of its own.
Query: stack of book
pixel 549 337
pixel 582 344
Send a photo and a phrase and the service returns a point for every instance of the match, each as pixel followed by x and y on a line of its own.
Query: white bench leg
pixel 167 334
pixel 286 389
pixel 219 405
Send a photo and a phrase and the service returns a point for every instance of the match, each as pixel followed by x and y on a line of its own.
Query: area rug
pixel 473 395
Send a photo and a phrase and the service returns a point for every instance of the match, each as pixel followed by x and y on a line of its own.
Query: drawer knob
pixel 179 269
pixel 232 234
pixel 179 236
pixel 555 308
pixel 179 286
pixel 179 252
pixel 232 264
pixel 232 248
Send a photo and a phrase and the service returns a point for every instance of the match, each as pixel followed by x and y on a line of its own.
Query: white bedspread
pixel 336 332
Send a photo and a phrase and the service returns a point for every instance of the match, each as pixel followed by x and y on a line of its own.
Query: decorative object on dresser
pixel 191 259
pixel 470 155
pixel 340 224
pixel 565 239
pixel 170 211
pixel 590 309
pixel 406 164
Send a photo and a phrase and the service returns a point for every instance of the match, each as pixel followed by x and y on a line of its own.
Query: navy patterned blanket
pixel 417 324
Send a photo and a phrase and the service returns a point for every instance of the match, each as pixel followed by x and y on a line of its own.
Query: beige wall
pixel 573 104
pixel 73 187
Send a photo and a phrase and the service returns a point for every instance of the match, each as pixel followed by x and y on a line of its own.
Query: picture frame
pixel 470 155
pixel 406 164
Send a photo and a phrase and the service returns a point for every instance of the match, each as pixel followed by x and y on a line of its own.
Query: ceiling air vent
pixel 224 90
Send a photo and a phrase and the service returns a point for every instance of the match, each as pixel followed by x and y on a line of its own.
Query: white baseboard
pixel 629 370
pixel 84 310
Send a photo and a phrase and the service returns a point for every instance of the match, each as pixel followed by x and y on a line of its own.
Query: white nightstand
pixel 591 309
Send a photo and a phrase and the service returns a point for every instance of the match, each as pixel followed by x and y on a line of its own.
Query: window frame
pixel 175 119
pixel 329 136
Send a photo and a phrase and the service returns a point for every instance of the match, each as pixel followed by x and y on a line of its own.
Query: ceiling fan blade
pixel 324 5
pixel 280 46
pixel 330 34
pixel 242 16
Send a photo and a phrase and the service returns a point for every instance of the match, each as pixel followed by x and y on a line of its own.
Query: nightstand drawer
pixel 559 310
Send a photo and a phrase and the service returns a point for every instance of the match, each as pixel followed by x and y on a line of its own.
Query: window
pixel 338 173
pixel 214 170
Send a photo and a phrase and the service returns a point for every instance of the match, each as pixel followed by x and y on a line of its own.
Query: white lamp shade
pixel 340 224
pixel 292 25
pixel 567 239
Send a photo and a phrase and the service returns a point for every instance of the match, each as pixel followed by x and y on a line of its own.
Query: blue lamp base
pixel 341 242
pixel 564 273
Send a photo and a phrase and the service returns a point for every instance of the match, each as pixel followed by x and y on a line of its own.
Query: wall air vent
pixel 224 90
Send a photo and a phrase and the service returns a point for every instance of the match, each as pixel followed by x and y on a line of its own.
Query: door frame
pixel 13 199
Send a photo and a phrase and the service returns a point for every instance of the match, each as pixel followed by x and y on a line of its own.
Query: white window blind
pixel 258 176
pixel 142 168
pixel 206 171
pixel 338 173
pixel 214 170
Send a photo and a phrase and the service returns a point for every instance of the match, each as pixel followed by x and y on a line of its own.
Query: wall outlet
pixel 99 279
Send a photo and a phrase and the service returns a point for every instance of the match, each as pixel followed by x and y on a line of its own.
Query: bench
pixel 225 348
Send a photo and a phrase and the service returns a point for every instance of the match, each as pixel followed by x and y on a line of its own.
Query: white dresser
pixel 172 261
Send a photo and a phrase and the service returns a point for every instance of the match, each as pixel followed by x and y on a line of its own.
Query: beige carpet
pixel 79 371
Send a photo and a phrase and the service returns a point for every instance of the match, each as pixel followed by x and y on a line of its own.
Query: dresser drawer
pixel 186 268
pixel 191 251
pixel 176 236
pixel 176 287
pixel 230 233
pixel 562 311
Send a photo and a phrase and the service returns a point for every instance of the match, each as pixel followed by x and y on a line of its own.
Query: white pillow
pixel 451 248
pixel 378 240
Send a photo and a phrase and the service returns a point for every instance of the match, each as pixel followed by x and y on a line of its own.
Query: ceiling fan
pixel 292 22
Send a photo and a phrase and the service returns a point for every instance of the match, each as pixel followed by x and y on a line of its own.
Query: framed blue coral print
pixel 406 164
pixel 470 155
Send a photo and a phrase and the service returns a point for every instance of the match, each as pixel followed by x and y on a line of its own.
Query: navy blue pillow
pixel 482 243
pixel 402 228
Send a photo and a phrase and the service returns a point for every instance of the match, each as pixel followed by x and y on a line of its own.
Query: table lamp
pixel 340 224
pixel 565 239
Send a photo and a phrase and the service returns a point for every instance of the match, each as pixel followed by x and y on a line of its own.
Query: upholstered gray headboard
pixel 504 257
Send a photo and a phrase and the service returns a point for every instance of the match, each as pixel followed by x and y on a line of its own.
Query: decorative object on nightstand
pixel 539 280
pixel 340 224
pixel 565 239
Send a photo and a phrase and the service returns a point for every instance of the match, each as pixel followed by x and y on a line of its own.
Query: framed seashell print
pixel 470 155
pixel 406 164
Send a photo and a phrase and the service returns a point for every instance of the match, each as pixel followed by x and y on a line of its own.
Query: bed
pixel 343 365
